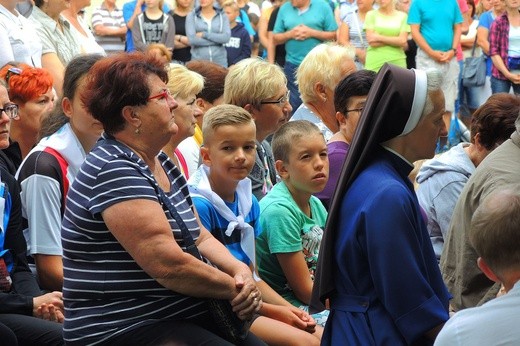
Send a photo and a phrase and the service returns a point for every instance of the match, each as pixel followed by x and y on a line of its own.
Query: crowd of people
pixel 319 167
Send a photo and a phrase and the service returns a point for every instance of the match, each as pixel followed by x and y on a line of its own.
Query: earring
pixel 137 131
pixel 324 99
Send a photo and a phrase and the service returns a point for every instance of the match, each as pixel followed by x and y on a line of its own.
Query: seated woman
pixel 349 100
pixel 184 85
pixel 209 97
pixel 377 266
pixel 18 37
pixel 31 89
pixel 59 42
pixel 47 172
pixel 127 276
pixel 317 76
pixel 26 316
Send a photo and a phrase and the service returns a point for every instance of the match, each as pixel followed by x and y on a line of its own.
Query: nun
pixel 377 269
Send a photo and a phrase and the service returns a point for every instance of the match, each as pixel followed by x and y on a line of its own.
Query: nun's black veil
pixel 388 107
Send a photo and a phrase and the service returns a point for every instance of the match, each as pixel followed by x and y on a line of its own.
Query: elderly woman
pixel 317 76
pixel 18 37
pixel 49 169
pixel 127 277
pixel 349 100
pixel 31 89
pixel 207 98
pixel 59 43
pixel 377 266
pixel 184 85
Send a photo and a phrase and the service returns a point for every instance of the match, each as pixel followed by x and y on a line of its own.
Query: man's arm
pixel 421 42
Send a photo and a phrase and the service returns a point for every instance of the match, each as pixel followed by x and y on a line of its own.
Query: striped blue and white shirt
pixel 105 291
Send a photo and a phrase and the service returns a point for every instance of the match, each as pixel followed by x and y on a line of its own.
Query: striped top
pixel 105 292
pixel 103 16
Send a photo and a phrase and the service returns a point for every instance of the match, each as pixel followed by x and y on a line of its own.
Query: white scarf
pixel 199 186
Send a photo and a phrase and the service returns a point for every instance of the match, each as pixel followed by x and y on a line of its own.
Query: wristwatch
pixel 454 50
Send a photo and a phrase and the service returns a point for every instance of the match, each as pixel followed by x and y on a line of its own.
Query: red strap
pixel 182 162
pixel 64 165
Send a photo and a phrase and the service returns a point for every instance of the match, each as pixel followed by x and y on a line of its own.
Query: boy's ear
pixel 486 270
pixel 204 154
pixel 281 168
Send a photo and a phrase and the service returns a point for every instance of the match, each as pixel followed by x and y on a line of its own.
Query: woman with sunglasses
pixel 50 168
pixel 127 277
pixel 31 89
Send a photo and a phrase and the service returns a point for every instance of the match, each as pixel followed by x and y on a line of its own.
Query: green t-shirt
pixel 384 25
pixel 287 229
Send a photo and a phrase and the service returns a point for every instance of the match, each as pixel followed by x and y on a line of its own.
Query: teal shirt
pixel 287 229
pixel 436 19
pixel 318 16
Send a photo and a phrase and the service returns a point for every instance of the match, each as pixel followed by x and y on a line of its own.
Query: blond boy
pixel 226 206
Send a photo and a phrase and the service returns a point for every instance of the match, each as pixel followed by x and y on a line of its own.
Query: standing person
pixel 182 49
pixel 411 46
pixel 504 49
pixel 351 32
pixel 86 39
pixel 260 88
pixel 387 34
pixel 128 278
pixel 275 52
pixel 47 172
pixel 484 27
pixel 436 28
pixel 109 27
pixel 207 29
pixel 26 316
pixel 18 37
pixel 495 237
pixel 378 295
pixel 131 10
pixel 153 26
pixel 301 25
pixel 60 45
pixel 239 45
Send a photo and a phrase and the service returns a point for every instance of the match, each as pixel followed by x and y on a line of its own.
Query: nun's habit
pixel 377 266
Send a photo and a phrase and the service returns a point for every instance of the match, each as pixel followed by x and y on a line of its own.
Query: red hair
pixel 28 85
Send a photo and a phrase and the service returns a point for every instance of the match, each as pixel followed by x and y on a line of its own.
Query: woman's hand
pixel 54 298
pixel 49 312
pixel 248 300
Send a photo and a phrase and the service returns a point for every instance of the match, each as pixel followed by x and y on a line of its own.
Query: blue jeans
pixel 503 86
pixel 290 73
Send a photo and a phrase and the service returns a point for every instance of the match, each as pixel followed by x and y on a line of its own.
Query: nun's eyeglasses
pixel 359 110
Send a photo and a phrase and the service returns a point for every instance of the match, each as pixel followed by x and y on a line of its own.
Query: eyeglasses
pixel 162 95
pixel 359 110
pixel 280 102
pixel 10 72
pixel 11 110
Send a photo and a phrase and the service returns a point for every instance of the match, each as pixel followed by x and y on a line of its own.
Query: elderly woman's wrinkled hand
pixel 248 299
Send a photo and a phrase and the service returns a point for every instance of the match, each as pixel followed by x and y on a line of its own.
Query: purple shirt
pixel 337 153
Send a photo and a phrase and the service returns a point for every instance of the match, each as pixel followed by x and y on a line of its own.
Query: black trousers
pixel 31 330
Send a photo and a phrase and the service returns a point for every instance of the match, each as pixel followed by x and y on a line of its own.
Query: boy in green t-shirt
pixel 292 219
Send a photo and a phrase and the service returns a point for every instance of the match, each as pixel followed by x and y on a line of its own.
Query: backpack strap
pixel 64 165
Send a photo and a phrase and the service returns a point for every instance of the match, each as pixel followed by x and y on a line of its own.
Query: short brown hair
pixel 214 76
pixel 494 231
pixel 118 81
pixel 284 137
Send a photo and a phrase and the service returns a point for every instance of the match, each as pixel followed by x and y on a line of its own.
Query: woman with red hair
pixel 31 89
